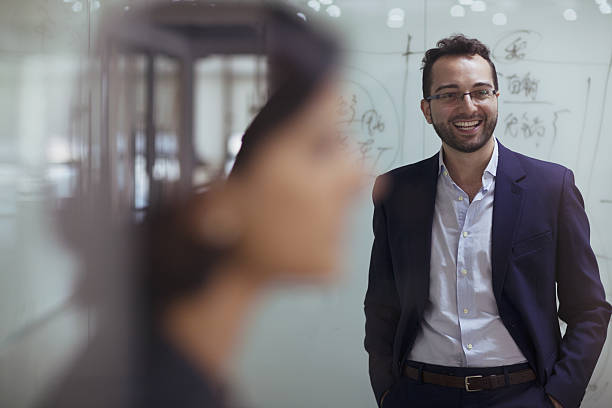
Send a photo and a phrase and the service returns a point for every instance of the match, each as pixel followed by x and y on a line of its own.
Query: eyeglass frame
pixel 457 99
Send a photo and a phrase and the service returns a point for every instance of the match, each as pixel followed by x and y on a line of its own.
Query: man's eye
pixel 449 95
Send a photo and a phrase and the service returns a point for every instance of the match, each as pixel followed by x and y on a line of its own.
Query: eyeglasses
pixel 477 96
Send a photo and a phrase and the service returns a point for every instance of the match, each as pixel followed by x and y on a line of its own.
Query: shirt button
pixel 469 346
pixel 465 234
pixel 465 311
pixel 460 198
pixel 464 271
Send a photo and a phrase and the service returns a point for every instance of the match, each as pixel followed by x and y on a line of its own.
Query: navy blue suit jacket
pixel 540 247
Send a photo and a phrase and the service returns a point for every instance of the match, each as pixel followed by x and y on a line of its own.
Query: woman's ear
pixel 217 217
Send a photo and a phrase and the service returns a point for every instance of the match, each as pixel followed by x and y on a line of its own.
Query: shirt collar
pixel 491 167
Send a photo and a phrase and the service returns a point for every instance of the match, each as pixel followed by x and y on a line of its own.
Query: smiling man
pixel 471 248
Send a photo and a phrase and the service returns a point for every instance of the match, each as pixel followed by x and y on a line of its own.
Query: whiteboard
pixel 555 105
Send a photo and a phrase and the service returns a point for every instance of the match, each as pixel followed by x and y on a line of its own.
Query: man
pixel 471 246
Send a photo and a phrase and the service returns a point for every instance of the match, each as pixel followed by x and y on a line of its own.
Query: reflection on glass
pixel 165 167
pixel 229 91
pixel 126 121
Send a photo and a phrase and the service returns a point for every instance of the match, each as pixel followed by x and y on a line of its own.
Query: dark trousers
pixel 409 393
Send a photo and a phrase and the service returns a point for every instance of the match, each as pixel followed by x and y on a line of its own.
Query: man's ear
pixel 426 109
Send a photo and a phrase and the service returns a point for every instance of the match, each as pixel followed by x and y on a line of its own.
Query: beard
pixel 446 132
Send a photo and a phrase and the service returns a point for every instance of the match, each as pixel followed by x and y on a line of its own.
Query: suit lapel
pixel 506 214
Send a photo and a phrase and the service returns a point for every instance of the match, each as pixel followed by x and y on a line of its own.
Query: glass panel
pixel 229 91
pixel 165 168
pixel 126 121
pixel 43 117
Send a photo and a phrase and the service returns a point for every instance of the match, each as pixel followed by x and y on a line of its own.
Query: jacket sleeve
pixel 382 308
pixel 582 301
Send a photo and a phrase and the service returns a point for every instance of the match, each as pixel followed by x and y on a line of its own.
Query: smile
pixel 467 125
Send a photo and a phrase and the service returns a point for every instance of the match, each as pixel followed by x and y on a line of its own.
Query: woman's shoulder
pixel 169 379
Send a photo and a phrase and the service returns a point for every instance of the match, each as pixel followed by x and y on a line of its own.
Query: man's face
pixel 464 125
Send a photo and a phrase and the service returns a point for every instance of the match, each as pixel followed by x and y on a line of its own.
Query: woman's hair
pixel 300 59
pixel 172 259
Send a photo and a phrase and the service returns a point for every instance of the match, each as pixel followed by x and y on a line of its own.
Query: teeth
pixel 466 124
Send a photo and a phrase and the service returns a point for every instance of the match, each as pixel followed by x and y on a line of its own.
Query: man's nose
pixel 466 103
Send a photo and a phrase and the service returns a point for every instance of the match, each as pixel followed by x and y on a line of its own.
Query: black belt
pixel 471 382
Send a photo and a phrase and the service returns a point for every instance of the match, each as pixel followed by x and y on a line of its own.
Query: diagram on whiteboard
pixel 370 121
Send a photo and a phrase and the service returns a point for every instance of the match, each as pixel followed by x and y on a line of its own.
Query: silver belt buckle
pixel 467 382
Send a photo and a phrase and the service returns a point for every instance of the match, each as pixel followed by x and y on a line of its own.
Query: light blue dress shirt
pixel 461 325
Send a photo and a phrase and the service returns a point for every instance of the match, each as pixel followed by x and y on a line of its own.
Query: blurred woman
pixel 202 261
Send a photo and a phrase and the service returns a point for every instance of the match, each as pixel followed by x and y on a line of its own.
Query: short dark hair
pixel 454 45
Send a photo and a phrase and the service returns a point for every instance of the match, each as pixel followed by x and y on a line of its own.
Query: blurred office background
pixel 305 346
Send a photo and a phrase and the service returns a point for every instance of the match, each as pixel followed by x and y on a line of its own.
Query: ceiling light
pixel 570 15
pixel 457 11
pixel 333 11
pixel 466 2
pixel 395 19
pixel 605 8
pixel 479 5
pixel 314 4
pixel 500 19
